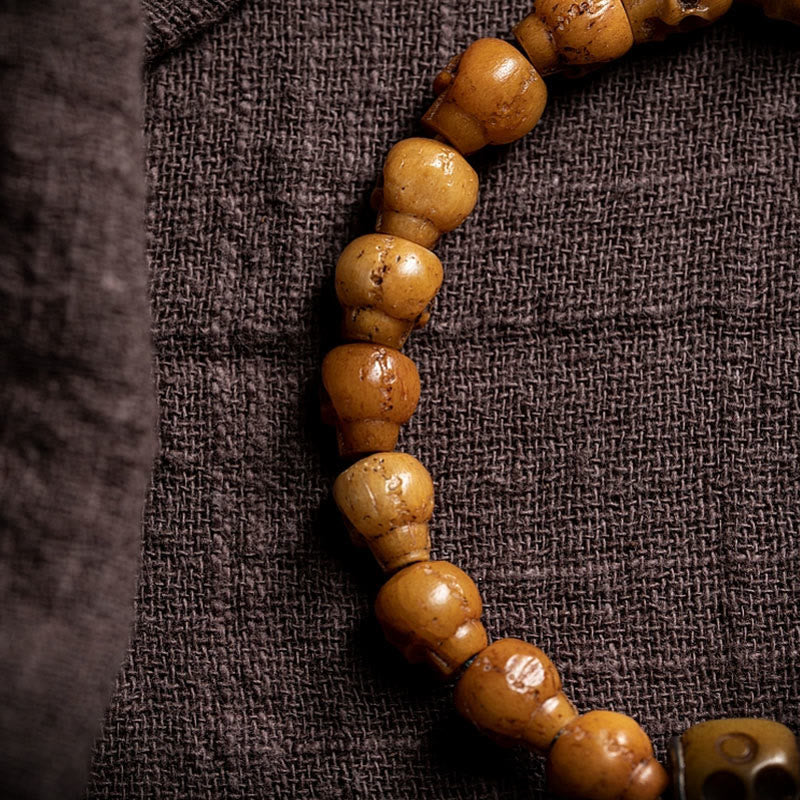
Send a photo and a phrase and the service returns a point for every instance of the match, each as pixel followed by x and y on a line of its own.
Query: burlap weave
pixel 611 384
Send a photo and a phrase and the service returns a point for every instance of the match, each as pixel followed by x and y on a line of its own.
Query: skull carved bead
pixel 431 612
pixel 371 391
pixel 387 498
pixel 654 20
pixel 788 10
pixel 565 34
pixel 603 755
pixel 490 94
pixel 428 189
pixel 512 693
pixel 736 759
pixel 384 284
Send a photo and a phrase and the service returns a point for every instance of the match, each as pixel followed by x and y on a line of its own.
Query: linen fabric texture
pixel 611 382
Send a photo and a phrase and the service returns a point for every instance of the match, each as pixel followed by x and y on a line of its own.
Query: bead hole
pixel 723 785
pixel 775 783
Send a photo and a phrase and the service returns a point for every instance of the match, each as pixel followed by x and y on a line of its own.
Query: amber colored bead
pixel 654 20
pixel 431 612
pixel 736 759
pixel 372 390
pixel 787 10
pixel 387 498
pixel 603 755
pixel 428 189
pixel 490 94
pixel 512 693
pixel 384 284
pixel 560 34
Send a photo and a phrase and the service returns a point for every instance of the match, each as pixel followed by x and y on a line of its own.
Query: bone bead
pixel 654 20
pixel 560 34
pixel 512 693
pixel 428 189
pixel 491 94
pixel 388 499
pixel 603 755
pixel 384 285
pixel 371 391
pixel 431 612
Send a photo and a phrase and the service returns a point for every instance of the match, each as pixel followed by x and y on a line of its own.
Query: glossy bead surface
pixel 431 612
pixel 387 498
pixel 560 34
pixel 654 20
pixel 490 94
pixel 371 390
pixel 512 693
pixel 736 759
pixel 428 189
pixel 384 284
pixel 604 755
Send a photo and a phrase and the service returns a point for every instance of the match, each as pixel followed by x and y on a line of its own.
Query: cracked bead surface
pixel 431 612
pixel 371 391
pixel 654 20
pixel 387 499
pixel 512 693
pixel 559 34
pixel 428 189
pixel 736 759
pixel 384 284
pixel 490 94
pixel 604 755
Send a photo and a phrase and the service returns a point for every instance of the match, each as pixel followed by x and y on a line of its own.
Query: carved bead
pixel 560 34
pixel 512 693
pixel 490 94
pixel 428 189
pixel 603 755
pixel 372 390
pixel 384 285
pixel 788 10
pixel 431 612
pixel 388 499
pixel 736 759
pixel 654 20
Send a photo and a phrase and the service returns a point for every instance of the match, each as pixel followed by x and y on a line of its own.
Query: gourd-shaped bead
pixel 736 759
pixel 560 34
pixel 428 189
pixel 387 498
pixel 603 755
pixel 384 284
pixel 490 94
pixel 512 692
pixel 431 612
pixel 371 390
pixel 654 20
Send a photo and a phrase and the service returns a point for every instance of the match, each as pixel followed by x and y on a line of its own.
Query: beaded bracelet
pixel 385 281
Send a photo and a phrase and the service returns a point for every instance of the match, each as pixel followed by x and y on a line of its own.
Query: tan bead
pixel 431 612
pixel 388 499
pixel 736 759
pixel 384 284
pixel 428 189
pixel 372 391
pixel 512 693
pixel 787 10
pixel 603 755
pixel 490 94
pixel 560 34
pixel 654 20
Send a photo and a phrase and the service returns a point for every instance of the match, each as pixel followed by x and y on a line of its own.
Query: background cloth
pixel 611 382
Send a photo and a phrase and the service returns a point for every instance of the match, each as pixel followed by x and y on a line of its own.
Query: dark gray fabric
pixel 611 382
pixel 76 403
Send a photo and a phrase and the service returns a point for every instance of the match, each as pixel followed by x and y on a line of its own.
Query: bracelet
pixel 385 282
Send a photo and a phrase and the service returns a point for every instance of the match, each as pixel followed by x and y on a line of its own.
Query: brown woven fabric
pixel 611 383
